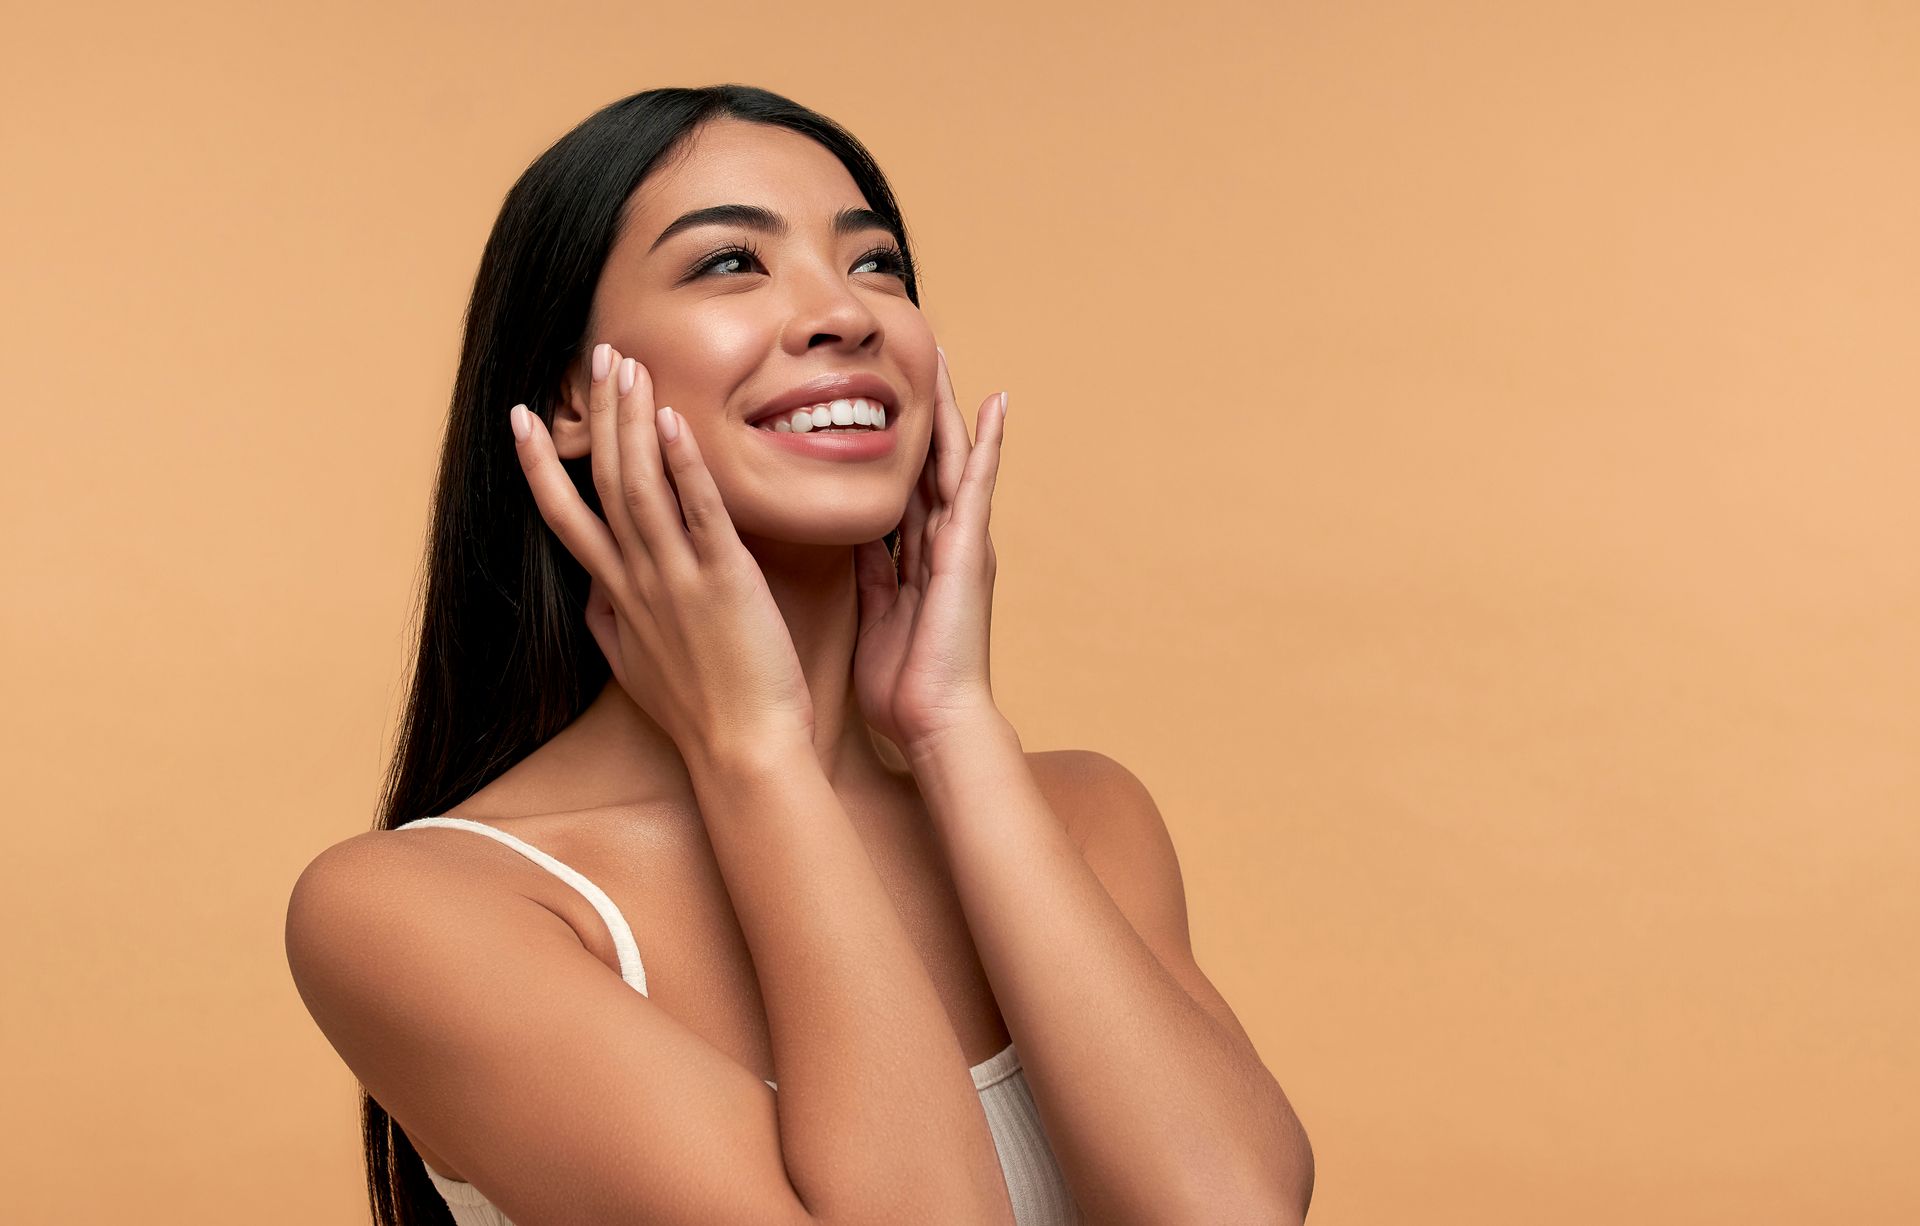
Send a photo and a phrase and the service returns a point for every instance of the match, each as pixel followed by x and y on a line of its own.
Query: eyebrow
pixel 850 220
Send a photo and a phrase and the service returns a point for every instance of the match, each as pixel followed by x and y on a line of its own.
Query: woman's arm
pixel 879 1117
pixel 479 1020
pixel 1158 1107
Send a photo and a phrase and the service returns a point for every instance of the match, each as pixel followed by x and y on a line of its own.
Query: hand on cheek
pixel 921 661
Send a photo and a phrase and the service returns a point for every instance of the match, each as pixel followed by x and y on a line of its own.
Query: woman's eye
pixel 887 260
pixel 733 259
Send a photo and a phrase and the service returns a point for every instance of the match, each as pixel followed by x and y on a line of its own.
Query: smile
pixel 829 416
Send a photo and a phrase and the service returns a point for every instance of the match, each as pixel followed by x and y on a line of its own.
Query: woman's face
pixel 724 334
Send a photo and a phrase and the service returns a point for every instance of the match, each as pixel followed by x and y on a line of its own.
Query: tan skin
pixel 652 857
pixel 732 783
pixel 610 794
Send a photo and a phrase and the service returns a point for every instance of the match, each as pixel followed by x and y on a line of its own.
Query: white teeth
pixel 854 411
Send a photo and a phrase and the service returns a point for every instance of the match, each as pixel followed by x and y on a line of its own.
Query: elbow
pixel 1284 1203
pixel 1287 1187
pixel 1277 1194
pixel 1293 1181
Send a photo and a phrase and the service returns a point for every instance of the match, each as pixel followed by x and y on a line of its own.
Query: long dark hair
pixel 504 658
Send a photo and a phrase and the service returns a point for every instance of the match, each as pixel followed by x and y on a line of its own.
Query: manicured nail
pixel 522 422
pixel 602 360
pixel 626 375
pixel 669 423
pixel 1003 406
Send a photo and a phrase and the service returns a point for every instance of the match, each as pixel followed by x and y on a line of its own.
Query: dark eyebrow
pixel 850 220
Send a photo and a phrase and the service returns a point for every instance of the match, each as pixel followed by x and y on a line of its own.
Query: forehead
pixel 731 161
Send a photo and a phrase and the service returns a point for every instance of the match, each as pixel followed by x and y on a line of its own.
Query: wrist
pixel 961 736
pixel 749 755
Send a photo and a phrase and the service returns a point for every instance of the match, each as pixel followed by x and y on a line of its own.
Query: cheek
pixel 698 358
pixel 908 331
pixel 910 338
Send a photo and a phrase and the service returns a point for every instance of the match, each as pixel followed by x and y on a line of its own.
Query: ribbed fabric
pixel 1039 1192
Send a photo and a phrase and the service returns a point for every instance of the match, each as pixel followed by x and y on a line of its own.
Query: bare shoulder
pixel 1082 785
pixel 1123 837
pixel 357 905
pixel 363 869
pixel 356 900
pixel 1116 824
pixel 352 871
pixel 510 1056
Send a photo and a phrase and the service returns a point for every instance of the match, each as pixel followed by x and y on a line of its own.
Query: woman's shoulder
pixel 415 873
pixel 405 889
pixel 1069 778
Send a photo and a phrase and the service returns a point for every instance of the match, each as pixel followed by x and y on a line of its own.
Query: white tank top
pixel 1040 1194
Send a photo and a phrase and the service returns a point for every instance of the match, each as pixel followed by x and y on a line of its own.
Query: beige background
pixel 1460 458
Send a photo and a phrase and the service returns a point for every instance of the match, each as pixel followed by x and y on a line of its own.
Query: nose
pixel 827 310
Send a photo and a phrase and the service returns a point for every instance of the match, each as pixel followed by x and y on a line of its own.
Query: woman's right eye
pixel 728 260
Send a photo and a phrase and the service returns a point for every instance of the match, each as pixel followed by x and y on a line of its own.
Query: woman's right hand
pixel 682 614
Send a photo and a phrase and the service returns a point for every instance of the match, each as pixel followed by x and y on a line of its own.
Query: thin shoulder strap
pixel 630 968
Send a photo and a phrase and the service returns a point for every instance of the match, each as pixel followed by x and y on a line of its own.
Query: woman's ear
pixel 572 436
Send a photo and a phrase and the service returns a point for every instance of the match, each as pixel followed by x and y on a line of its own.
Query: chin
pixel 844 534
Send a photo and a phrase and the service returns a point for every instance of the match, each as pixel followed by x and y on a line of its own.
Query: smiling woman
pixel 703 662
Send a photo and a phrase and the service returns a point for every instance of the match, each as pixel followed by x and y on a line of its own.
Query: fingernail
pixel 626 375
pixel 669 423
pixel 1003 405
pixel 522 422
pixel 602 359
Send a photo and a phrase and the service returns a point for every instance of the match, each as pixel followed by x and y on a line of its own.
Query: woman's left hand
pixel 920 664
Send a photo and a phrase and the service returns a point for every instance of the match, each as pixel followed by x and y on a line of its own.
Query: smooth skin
pixel 793 895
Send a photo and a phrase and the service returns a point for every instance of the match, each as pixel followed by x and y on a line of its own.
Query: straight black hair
pixel 504 659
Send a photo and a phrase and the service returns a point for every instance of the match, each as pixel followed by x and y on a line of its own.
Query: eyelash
pixel 892 261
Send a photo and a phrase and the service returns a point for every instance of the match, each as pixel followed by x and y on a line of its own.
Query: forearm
pixel 877 1108
pixel 1155 1109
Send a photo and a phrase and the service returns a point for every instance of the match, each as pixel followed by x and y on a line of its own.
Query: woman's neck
pixel 815 590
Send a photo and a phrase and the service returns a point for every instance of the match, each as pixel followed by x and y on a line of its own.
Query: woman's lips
pixel 833 444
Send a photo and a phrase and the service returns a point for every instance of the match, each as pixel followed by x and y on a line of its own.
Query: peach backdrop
pixel 1455 460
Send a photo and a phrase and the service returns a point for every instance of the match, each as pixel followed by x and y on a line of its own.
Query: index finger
pixel 579 529
pixel 951 445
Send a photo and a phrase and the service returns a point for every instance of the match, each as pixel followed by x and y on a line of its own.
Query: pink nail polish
pixel 602 361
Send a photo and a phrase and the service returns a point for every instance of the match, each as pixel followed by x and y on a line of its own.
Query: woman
pixel 704 658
